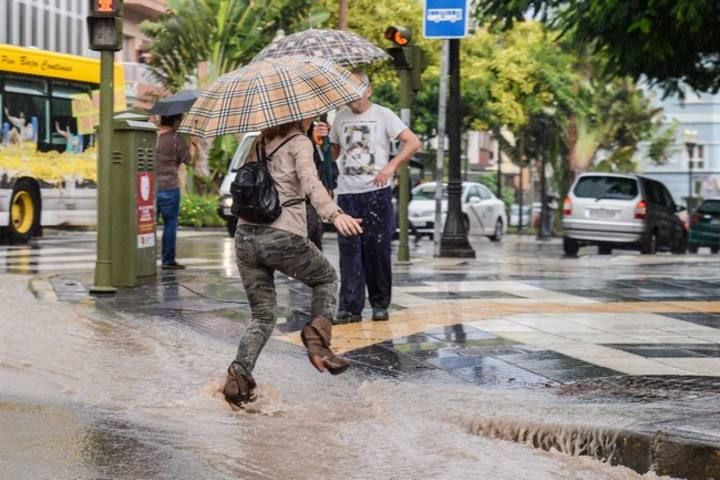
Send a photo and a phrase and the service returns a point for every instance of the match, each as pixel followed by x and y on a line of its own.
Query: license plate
pixel 602 213
pixel 226 211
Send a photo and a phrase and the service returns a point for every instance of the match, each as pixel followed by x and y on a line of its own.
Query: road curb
pixel 660 452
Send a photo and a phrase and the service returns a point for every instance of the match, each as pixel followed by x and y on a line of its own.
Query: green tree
pixel 224 33
pixel 669 42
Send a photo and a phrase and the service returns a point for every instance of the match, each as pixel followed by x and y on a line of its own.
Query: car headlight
pixel 226 201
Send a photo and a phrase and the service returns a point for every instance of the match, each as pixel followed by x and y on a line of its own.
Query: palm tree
pixel 223 34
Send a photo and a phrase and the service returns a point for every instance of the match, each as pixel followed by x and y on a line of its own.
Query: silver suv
pixel 621 211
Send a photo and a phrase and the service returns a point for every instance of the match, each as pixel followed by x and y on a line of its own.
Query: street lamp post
pixel 690 137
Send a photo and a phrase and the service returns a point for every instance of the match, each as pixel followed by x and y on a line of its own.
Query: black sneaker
pixel 380 314
pixel 344 317
pixel 173 266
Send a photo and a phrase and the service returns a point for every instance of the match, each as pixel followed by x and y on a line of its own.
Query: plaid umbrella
pixel 343 48
pixel 270 93
pixel 175 104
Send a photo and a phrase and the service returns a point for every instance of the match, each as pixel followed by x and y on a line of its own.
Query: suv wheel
pixel 692 248
pixel 570 247
pixel 604 249
pixel 714 249
pixel 649 246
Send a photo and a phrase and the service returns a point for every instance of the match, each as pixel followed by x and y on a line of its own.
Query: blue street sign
pixel 445 18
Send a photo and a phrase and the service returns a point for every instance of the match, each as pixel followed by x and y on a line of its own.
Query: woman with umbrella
pixel 280 98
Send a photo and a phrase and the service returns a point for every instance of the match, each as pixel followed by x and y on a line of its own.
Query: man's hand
pixel 347 225
pixel 385 175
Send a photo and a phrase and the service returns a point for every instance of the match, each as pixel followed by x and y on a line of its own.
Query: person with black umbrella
pixel 170 152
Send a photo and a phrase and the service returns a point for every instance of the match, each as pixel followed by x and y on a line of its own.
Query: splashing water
pixel 88 396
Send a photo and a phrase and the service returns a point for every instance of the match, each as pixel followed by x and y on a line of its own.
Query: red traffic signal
pixel 399 35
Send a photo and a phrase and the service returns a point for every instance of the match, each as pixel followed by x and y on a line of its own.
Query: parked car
pixel 705 226
pixel 621 211
pixel 226 200
pixel 530 214
pixel 483 212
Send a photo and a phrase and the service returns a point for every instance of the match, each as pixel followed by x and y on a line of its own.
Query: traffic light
pixel 405 56
pixel 105 24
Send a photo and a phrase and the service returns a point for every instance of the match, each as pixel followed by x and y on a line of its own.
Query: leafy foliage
pixel 224 33
pixel 199 211
pixel 670 42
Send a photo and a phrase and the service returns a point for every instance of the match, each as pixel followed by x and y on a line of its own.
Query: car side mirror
pixel 474 199
pixel 679 208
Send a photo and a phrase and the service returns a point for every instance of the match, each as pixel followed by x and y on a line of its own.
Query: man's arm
pixel 335 151
pixel 411 144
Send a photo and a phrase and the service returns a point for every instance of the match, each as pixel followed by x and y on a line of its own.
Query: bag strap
pixel 281 145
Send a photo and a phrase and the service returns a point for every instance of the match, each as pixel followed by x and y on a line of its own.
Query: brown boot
pixel 316 338
pixel 239 386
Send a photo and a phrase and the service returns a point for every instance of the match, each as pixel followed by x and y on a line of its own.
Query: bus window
pixel 65 135
pixel 25 118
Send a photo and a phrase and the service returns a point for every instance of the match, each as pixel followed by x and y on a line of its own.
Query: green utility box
pixel 132 196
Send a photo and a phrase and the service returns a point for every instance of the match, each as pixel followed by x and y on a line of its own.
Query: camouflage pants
pixel 260 251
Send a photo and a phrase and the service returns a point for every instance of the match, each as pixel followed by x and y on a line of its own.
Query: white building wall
pixel 702 114
pixel 55 25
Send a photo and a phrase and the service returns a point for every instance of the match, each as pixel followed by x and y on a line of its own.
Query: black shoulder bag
pixel 255 197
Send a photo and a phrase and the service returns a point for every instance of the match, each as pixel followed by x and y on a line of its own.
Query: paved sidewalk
pixel 621 330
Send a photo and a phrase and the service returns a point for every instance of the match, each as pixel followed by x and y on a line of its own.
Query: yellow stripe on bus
pixel 31 61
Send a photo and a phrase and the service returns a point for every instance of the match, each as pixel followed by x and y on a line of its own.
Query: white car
pixel 483 212
pixel 242 151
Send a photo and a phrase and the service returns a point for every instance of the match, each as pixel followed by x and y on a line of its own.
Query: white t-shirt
pixel 364 141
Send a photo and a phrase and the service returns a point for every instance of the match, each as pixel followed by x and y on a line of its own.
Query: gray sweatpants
pixel 260 251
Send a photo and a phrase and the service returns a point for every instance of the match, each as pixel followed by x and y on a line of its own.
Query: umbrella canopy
pixel 343 48
pixel 175 104
pixel 270 93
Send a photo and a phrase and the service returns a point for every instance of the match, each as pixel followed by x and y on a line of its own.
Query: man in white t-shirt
pixel 361 136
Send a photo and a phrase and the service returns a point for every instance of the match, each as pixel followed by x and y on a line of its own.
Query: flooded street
pixel 88 395
pixel 128 388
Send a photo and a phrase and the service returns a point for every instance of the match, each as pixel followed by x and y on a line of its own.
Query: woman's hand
pixel 347 225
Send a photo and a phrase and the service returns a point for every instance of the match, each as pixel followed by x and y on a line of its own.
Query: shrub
pixel 199 211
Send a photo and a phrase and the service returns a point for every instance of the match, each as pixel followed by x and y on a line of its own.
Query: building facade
pixel 60 26
pixel 701 173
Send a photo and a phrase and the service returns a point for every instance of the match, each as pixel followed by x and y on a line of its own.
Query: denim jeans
pixel 168 202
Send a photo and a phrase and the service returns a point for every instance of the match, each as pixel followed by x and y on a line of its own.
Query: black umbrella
pixel 175 104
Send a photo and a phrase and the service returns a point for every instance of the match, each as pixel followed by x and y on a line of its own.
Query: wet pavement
pixel 626 342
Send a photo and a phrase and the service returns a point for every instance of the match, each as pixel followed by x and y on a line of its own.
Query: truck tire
pixel 24 212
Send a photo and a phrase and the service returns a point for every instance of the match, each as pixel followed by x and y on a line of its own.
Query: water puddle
pixel 87 396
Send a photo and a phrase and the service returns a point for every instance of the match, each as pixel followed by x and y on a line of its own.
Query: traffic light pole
pixel 454 242
pixel 103 264
pixel 404 174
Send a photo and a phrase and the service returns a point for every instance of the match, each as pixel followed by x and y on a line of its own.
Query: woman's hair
pixel 281 130
pixel 170 121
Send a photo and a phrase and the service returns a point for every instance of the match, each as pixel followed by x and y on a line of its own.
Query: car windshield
pixel 710 207
pixel 606 187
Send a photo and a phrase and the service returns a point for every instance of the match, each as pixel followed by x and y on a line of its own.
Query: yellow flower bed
pixel 51 167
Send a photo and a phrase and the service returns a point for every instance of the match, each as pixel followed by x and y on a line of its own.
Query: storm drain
pixel 640 451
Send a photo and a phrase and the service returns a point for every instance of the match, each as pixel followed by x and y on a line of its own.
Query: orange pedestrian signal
pixel 105 6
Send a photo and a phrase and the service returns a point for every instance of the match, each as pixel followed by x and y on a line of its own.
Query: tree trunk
pixel 343 15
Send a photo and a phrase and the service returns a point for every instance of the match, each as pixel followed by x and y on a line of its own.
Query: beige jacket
pixel 293 169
